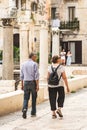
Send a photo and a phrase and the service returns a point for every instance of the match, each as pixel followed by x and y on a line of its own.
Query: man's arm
pixel 36 76
pixel 21 78
pixel 48 76
pixel 22 85
pixel 37 85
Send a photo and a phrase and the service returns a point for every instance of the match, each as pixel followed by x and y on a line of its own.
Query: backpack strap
pixel 55 69
pixel 60 77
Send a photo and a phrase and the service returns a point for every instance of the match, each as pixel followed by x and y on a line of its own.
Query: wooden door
pixel 78 52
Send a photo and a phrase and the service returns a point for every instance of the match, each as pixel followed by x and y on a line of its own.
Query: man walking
pixel 29 76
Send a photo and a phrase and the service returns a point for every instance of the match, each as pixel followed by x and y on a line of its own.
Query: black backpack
pixel 53 77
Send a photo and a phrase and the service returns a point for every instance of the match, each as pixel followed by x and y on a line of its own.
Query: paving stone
pixel 74 111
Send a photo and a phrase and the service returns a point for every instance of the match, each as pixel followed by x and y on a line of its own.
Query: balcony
pixel 72 25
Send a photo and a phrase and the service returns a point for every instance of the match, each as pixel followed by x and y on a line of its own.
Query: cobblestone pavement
pixel 74 111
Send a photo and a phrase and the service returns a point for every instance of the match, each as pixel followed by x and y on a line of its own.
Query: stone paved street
pixel 74 111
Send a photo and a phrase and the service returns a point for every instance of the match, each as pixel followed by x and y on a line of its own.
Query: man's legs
pixel 34 97
pixel 29 87
pixel 26 98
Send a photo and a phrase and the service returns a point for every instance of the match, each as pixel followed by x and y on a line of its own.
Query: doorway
pixel 76 49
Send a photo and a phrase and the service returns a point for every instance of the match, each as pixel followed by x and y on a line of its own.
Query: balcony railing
pixel 73 25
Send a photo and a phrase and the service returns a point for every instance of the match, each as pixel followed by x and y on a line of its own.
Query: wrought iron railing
pixel 69 25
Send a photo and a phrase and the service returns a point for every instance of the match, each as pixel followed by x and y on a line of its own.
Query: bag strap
pixel 55 69
pixel 60 77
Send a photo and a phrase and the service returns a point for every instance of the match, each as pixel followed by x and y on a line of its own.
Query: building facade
pixel 24 24
pixel 30 15
pixel 73 32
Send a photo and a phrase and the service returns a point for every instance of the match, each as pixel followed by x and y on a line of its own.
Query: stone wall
pixel 81 35
pixel 7 86
pixel 13 101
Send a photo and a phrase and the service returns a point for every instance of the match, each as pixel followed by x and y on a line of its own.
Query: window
pixel 53 13
pixel 71 13
pixel 17 4
pixel 23 4
pixel 34 6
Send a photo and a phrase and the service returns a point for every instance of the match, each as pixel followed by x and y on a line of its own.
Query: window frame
pixel 53 13
pixel 71 13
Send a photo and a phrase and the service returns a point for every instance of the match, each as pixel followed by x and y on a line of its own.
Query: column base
pixel 43 83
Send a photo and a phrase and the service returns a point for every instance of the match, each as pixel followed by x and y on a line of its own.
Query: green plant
pixel 1 53
pixel 73 91
pixel 38 57
pixel 49 58
pixel 85 86
pixel 71 77
pixel 32 17
pixel 16 53
pixel 75 19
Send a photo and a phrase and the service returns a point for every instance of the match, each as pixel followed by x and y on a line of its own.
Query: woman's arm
pixel 65 80
pixel 22 85
pixel 48 75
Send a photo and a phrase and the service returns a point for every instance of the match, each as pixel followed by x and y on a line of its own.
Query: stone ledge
pixel 7 86
pixel 13 101
pixel 7 83
pixel 79 72
pixel 77 82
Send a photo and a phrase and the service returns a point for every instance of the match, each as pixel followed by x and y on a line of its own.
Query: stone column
pixel 44 59
pixel 55 42
pixel 7 72
pixel 31 41
pixel 24 42
pixel 43 53
pixel 12 3
pixel 19 3
pixel 27 4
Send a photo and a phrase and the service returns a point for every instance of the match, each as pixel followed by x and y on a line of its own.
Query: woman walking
pixel 57 89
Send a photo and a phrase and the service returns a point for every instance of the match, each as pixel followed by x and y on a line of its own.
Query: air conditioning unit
pixel 13 12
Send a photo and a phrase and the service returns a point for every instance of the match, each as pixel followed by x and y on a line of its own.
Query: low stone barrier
pixel 7 86
pixel 77 82
pixel 75 70
pixel 79 72
pixel 13 101
pixel 10 102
